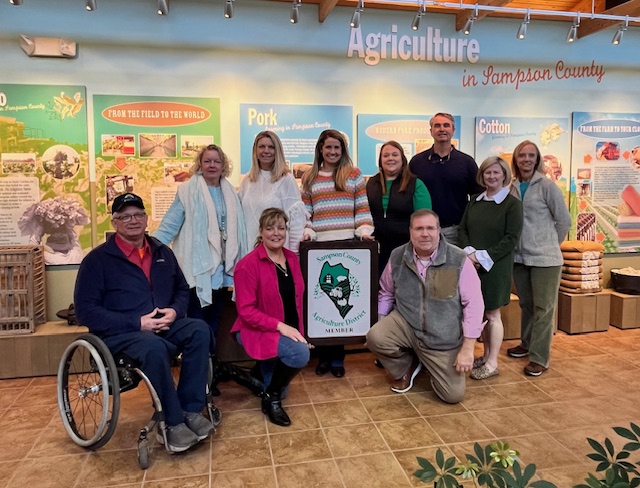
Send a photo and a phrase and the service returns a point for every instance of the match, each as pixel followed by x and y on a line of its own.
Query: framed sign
pixel 341 296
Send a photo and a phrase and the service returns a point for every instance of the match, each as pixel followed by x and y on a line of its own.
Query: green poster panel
pixel 44 170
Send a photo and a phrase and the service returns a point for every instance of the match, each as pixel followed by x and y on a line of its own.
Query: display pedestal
pixel 583 312
pixel 37 354
pixel 625 310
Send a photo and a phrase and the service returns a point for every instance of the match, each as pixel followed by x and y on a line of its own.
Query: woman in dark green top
pixel 394 194
pixel 489 232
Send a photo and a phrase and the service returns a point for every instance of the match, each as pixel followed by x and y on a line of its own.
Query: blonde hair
pixel 342 170
pixel 270 216
pixel 514 166
pixel 197 161
pixel 490 161
pixel 279 168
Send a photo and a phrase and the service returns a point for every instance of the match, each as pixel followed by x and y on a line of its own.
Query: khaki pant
pixel 538 294
pixel 394 343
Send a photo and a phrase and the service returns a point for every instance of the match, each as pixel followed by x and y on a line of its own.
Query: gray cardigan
pixel 545 225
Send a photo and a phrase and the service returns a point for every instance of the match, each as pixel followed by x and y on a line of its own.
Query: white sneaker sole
pixel 413 377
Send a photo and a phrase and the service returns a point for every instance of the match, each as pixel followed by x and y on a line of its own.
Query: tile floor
pixel 347 433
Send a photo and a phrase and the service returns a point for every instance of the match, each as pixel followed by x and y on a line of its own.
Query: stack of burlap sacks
pixel 582 270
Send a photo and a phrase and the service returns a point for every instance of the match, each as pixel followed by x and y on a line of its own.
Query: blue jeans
pixel 292 353
pixel 152 352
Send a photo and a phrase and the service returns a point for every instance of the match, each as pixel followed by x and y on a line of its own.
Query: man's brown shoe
pixel 534 369
pixel 517 352
pixel 405 383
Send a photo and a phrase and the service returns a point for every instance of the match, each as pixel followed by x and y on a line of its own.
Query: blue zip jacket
pixel 112 293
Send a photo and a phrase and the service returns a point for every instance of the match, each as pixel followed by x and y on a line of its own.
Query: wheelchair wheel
pixel 88 392
pixel 143 453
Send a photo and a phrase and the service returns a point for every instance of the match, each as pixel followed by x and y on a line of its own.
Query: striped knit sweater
pixel 338 215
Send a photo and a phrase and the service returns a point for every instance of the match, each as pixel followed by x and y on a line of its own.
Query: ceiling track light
pixel 469 23
pixel 573 30
pixel 15 2
pixel 163 7
pixel 422 10
pixel 617 38
pixel 91 5
pixel 295 14
pixel 522 30
pixel 355 18
pixel 228 9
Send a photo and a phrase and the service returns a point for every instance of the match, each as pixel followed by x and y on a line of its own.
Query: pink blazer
pixel 259 304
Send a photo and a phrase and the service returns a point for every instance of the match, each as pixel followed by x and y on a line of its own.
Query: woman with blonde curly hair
pixel 206 225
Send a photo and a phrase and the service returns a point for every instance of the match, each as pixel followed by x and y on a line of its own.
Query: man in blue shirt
pixel 448 174
pixel 131 293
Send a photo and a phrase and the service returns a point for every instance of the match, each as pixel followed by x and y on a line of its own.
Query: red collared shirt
pixel 140 257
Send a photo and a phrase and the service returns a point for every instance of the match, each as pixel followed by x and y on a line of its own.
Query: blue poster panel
pixel 298 127
pixel 412 131
pixel 605 180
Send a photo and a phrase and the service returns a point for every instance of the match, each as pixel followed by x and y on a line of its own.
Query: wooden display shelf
pixel 36 354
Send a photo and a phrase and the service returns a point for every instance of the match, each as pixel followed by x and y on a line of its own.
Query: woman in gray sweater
pixel 538 260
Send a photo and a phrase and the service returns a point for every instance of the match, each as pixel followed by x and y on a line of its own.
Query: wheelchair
pixel 90 381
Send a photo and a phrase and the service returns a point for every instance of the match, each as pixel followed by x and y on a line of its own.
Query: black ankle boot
pixel 272 406
pixel 271 403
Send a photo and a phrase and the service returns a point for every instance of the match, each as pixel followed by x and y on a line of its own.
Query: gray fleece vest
pixel 433 307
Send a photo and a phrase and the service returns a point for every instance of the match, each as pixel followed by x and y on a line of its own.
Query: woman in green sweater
pixel 489 232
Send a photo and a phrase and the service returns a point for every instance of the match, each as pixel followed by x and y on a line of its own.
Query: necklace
pixel 282 269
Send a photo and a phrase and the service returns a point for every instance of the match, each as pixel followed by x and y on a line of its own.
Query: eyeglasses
pixel 436 158
pixel 127 217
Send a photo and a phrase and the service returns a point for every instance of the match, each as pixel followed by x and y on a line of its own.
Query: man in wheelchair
pixel 131 293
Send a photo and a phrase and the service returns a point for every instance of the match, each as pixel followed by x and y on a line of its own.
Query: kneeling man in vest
pixel 430 306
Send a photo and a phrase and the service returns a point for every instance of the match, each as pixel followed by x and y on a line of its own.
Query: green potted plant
pixel 619 472
pixel 495 465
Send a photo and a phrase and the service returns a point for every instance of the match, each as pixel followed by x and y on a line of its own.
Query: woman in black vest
pixel 394 194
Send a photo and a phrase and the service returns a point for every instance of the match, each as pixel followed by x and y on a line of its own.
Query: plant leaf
pixel 542 484
pixel 609 445
pixel 597 457
pixel 622 455
pixel 635 428
pixel 597 446
pixel 449 463
pixel 602 466
pixel 425 463
pixel 632 446
pixel 439 458
pixel 528 473
pixel 626 433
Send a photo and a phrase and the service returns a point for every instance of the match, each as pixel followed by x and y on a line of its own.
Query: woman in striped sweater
pixel 335 196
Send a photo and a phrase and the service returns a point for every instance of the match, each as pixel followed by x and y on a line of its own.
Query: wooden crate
pixel 22 289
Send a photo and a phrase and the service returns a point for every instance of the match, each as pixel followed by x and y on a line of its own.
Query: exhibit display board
pixel 44 172
pixel 297 126
pixel 605 180
pixel 146 145
pixel 498 136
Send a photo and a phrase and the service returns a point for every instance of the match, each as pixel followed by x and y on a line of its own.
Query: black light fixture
pixel 469 24
pixel 228 9
pixel 522 30
pixel 295 14
pixel 617 38
pixel 422 10
pixel 573 30
pixel 355 18
pixel 91 5
pixel 15 2
pixel 163 7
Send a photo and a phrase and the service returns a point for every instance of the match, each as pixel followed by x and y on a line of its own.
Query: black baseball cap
pixel 125 200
